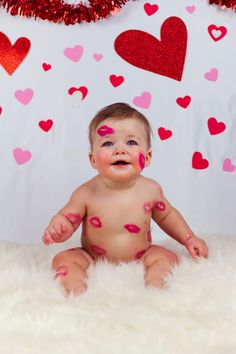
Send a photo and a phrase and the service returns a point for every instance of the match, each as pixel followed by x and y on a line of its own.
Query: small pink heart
pixel 74 53
pixel 228 166
pixel 144 100
pixel 211 75
pixel 190 9
pixel 24 96
pixel 97 56
pixel 21 156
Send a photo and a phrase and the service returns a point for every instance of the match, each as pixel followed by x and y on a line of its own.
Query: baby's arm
pixel 172 222
pixel 67 220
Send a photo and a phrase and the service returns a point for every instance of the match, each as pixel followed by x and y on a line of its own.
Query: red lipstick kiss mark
pixel 134 229
pixel 95 221
pixel 160 206
pixel 147 207
pixel 105 130
pixel 149 236
pixel 99 251
pixel 73 218
pixel 140 254
pixel 141 161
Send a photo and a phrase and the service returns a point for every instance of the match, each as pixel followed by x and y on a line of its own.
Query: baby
pixel 117 205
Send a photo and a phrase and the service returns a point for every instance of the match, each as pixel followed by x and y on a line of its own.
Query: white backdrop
pixel 39 169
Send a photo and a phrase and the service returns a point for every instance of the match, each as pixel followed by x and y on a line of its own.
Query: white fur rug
pixel 196 313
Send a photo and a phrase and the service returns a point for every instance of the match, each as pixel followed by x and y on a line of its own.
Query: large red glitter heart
pixel 164 57
pixel 11 56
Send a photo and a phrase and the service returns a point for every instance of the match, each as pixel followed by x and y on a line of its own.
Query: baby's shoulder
pixel 151 185
pixel 85 189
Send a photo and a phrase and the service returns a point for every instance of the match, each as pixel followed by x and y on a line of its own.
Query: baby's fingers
pixel 47 238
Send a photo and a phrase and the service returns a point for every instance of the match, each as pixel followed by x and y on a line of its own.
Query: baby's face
pixel 120 149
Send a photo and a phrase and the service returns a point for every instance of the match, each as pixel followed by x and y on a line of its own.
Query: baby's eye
pixel 107 143
pixel 132 142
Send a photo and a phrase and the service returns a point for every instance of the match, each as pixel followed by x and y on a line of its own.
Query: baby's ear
pixel 91 159
pixel 148 158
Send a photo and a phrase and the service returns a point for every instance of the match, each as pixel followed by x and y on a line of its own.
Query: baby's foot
pixel 72 278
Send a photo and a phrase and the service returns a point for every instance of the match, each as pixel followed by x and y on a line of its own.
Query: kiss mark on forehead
pixel 105 130
pixel 95 221
pixel 141 161
pixel 99 251
pixel 134 229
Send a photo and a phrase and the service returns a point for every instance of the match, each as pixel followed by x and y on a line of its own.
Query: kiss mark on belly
pixel 147 207
pixel 99 251
pixel 160 206
pixel 134 229
pixel 105 130
pixel 73 218
pixel 141 161
pixel 140 254
pixel 95 221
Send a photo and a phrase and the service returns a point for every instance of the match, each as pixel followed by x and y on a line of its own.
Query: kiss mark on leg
pixel 95 221
pixel 73 218
pixel 141 161
pixel 140 254
pixel 105 130
pixel 99 251
pixel 147 207
pixel 160 206
pixel 134 229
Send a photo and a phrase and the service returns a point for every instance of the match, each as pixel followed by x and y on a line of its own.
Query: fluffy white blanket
pixel 196 313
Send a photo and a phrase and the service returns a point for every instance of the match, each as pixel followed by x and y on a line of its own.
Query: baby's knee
pixel 76 256
pixel 157 253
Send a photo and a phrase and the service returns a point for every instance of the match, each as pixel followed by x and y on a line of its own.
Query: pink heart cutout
pixel 74 53
pixel 24 96
pixel 190 9
pixel 211 75
pixel 143 101
pixel 21 156
pixel 228 166
pixel 97 56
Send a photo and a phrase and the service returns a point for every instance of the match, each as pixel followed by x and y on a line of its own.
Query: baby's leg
pixel 71 267
pixel 158 262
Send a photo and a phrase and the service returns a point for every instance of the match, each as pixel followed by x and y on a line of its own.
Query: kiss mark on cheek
pixel 73 218
pixel 95 221
pixel 147 207
pixel 149 236
pixel 141 160
pixel 140 254
pixel 105 130
pixel 160 206
pixel 99 251
pixel 134 229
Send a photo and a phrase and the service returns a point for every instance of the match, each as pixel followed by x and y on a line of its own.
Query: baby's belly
pixel 118 248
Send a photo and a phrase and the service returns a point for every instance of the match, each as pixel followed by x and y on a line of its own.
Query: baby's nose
pixel 120 150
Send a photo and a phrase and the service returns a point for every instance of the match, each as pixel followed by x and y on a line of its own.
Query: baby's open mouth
pixel 120 162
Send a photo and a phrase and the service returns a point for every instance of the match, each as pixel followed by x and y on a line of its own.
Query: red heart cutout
pixel 46 66
pixel 215 127
pixel 82 89
pixel 198 162
pixel 150 9
pixel 221 29
pixel 183 101
pixel 164 133
pixel 11 56
pixel 116 80
pixel 164 57
pixel 46 125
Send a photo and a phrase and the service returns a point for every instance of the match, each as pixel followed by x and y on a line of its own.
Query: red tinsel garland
pixel 224 3
pixel 59 11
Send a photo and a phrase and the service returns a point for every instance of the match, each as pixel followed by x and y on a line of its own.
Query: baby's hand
pixel 196 247
pixel 59 230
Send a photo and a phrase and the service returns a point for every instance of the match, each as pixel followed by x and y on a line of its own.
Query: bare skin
pixel 115 209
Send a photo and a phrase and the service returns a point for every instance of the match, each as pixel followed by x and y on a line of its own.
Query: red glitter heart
pixel 198 162
pixel 215 127
pixel 164 57
pixel 11 56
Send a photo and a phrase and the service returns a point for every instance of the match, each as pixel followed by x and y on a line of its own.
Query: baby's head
pixel 120 142
pixel 119 112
